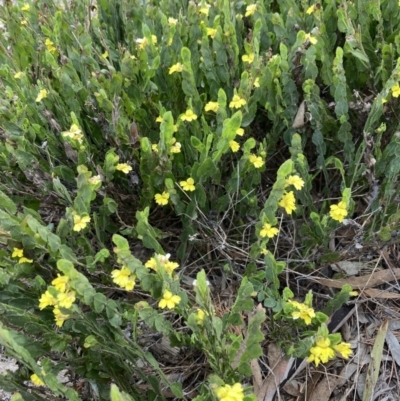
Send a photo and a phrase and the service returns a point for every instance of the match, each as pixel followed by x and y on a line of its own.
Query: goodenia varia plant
pixel 126 117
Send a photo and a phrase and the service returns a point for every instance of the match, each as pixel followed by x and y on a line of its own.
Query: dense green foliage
pixel 217 132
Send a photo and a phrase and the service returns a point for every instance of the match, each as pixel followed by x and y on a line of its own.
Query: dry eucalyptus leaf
pixel 299 120
pixel 394 346
pixel 325 388
pixel 358 283
pixel 350 268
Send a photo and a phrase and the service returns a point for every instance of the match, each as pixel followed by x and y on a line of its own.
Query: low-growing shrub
pixel 148 144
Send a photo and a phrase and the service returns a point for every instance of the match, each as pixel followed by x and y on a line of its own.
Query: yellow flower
pixel 257 82
pixel 240 131
pixel 60 318
pixel 162 199
pixel 169 300
pixel 257 161
pixel 311 9
pixel 212 32
pixel 17 253
pixel 50 45
pixel 205 9
pixel 25 260
pixel 303 312
pixel 61 283
pixel 268 231
pixel 178 67
pixel 35 379
pixel 200 315
pixel 96 179
pixel 170 267
pixel 383 99
pixel 65 300
pixel 141 43
pixel 234 146
pixel 188 185
pixel 24 22
pixel 80 222
pixel 154 39
pixel 312 39
pixel 395 90
pixel 172 21
pixel 189 115
pixel 250 10
pixel 151 264
pixel 47 300
pixel 124 278
pixel 237 102
pixel 105 54
pixel 25 7
pixel 120 276
pixel 296 304
pixel 230 393
pixel 338 212
pixel 124 167
pixel 321 352
pixel 343 349
pixel 211 106
pixel 162 260
pixel 159 119
pixel 248 58
pixel 42 95
pixel 294 180
pixel 288 202
pixel 74 133
pixel 154 148
pixel 176 147
pixel 18 75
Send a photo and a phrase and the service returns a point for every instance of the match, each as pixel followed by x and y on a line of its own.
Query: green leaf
pixel 205 170
pixel 7 204
pixel 156 321
pixel 16 397
pixel 251 348
pixel 61 190
pixel 338 300
pixel 197 144
pixel 117 395
pixel 99 302
pixel 243 301
pixel 375 363
pixel 176 388
pixel 121 243
pixel 111 204
pixel 8 339
pixel 146 232
pixel 65 266
pixel 102 255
